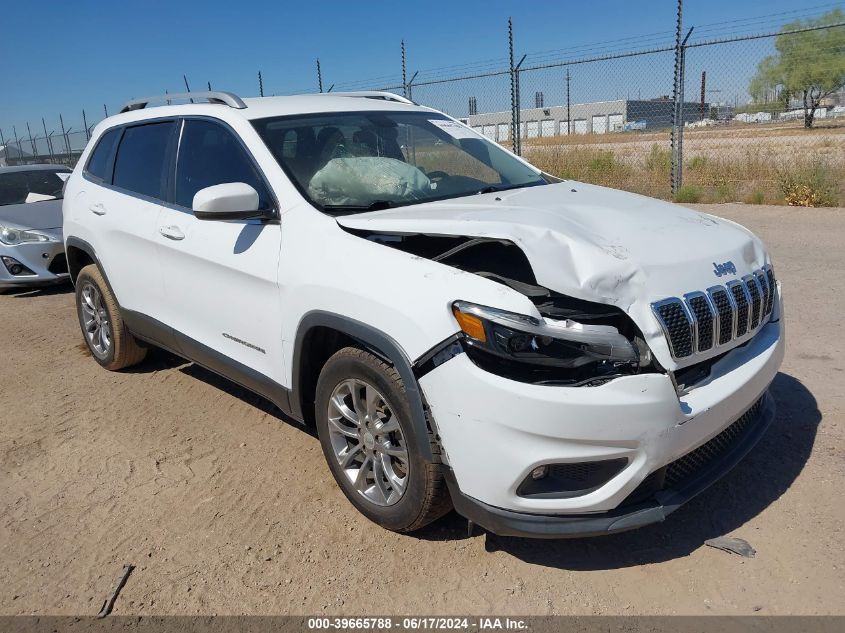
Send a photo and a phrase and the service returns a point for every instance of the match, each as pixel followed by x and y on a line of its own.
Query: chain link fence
pixel 697 119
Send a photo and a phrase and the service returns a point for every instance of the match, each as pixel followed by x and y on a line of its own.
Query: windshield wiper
pixel 375 205
pixel 495 188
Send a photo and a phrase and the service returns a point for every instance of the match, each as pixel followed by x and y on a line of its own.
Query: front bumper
pixel 46 260
pixel 495 431
pixel 652 510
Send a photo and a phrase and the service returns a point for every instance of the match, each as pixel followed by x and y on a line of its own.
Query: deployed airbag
pixel 361 180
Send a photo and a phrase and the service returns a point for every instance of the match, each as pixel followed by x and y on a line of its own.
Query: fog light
pixel 15 267
pixel 539 472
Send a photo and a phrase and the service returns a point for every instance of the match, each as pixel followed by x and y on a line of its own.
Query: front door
pixel 220 278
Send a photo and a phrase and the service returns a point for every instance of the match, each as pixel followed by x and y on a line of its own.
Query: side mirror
pixel 228 201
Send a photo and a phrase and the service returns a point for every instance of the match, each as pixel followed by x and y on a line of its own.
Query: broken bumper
pixel 657 508
pixel 495 432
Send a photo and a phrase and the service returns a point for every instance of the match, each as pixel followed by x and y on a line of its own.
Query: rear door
pixel 125 211
pixel 221 278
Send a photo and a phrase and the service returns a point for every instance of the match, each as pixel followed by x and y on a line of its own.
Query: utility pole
pixel 319 76
pixel 568 116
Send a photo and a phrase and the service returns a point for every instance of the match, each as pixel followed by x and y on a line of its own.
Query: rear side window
pixel 99 161
pixel 209 154
pixel 140 163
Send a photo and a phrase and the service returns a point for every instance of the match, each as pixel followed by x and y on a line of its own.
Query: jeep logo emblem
pixel 726 268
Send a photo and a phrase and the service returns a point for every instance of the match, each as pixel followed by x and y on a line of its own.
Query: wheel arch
pixel 79 254
pixel 319 335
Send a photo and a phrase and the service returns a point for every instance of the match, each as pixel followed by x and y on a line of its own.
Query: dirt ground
pixel 226 508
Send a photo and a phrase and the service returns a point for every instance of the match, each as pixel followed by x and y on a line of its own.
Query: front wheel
pixel 364 424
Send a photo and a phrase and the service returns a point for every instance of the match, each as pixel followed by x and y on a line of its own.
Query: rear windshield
pixel 349 162
pixel 37 185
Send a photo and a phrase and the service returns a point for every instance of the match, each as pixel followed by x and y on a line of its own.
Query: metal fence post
pixel 47 139
pixel 64 134
pixel 404 73
pixel 677 133
pixel 85 123
pixel 409 88
pixel 514 116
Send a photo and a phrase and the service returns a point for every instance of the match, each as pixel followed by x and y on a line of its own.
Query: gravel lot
pixel 226 508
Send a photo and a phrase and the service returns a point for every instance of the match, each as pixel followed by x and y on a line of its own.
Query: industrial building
pixel 598 117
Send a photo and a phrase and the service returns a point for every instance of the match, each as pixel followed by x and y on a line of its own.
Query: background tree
pixel 809 66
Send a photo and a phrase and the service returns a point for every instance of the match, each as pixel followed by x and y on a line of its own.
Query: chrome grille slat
pixel 755 295
pixel 743 302
pixel 702 321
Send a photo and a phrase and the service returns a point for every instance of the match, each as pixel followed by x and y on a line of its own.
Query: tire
pixel 98 313
pixel 422 496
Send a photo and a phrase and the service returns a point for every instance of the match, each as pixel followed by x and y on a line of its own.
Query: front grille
pixel 702 320
pixel 687 467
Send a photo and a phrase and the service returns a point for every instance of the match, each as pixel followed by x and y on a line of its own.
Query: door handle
pixel 171 232
pixel 97 209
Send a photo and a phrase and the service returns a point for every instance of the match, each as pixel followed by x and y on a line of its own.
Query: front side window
pixel 140 163
pixel 99 161
pixel 209 154
pixel 356 161
pixel 37 185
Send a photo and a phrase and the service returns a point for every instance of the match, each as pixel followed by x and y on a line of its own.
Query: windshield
pixel 37 185
pixel 356 161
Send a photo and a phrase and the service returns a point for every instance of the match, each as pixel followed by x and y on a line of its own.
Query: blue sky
pixel 59 57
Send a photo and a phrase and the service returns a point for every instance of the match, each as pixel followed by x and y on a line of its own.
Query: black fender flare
pixel 375 341
pixel 85 247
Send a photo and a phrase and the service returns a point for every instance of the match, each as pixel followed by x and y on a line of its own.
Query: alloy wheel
pixel 367 441
pixel 95 320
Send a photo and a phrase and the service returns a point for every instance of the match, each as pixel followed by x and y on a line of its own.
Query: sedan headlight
pixel 10 236
pixel 536 350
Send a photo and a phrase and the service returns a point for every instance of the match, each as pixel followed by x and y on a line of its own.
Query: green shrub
pixel 696 162
pixel 756 197
pixel 659 159
pixel 689 194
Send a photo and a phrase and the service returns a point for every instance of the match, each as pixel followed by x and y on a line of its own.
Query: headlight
pixel 11 236
pixel 542 350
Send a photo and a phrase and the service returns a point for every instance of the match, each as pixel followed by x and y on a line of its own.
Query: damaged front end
pixel 574 343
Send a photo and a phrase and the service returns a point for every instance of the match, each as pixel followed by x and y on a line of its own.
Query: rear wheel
pixel 364 423
pixel 105 333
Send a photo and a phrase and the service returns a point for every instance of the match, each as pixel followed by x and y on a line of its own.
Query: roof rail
pixel 369 94
pixel 212 96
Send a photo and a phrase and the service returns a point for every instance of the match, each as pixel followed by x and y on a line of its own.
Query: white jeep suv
pixel 550 358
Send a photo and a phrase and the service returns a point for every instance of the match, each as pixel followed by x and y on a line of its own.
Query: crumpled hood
pixel 591 242
pixel 34 215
